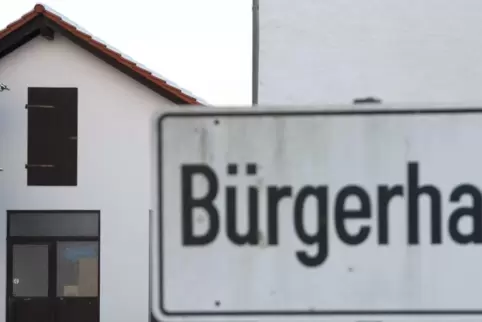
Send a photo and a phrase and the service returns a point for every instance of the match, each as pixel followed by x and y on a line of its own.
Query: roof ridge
pixel 82 33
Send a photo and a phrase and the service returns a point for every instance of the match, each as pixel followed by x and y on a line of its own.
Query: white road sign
pixel 313 215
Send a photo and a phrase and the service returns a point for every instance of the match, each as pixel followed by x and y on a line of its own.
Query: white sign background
pixel 333 149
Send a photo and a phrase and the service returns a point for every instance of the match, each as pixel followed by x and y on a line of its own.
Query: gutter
pixel 255 80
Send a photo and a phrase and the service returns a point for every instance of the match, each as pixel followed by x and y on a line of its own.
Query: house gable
pixel 45 23
pixel 116 157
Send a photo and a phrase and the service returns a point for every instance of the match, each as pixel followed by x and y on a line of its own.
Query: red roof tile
pixel 162 84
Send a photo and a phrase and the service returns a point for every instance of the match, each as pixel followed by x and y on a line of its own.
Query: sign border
pixel 158 307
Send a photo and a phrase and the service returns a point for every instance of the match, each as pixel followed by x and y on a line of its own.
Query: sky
pixel 203 46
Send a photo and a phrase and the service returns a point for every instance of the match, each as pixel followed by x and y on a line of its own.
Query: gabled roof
pixel 44 21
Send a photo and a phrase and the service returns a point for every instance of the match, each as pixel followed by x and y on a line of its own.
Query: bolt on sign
pixel 372 214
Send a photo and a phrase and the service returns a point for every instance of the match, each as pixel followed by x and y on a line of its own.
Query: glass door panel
pixel 77 269
pixel 30 268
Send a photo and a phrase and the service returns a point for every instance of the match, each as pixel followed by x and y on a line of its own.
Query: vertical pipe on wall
pixel 255 52
pixel 150 317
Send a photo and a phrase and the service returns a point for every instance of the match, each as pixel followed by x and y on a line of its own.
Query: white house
pixel 400 51
pixel 78 152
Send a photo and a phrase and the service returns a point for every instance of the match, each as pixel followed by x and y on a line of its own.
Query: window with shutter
pixel 52 136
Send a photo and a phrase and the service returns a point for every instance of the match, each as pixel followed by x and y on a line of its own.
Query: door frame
pixel 51 241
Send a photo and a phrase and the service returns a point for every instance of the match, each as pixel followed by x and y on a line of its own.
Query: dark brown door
pixel 53 281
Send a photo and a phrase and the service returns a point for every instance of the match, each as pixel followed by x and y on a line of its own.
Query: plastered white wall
pixel 402 51
pixel 116 163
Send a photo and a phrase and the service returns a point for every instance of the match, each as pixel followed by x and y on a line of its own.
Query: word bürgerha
pixel 412 191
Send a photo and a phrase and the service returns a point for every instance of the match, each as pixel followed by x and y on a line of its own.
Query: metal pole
pixel 255 90
pixel 155 286
pixel 151 238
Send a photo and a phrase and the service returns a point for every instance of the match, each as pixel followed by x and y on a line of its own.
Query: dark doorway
pixel 53 266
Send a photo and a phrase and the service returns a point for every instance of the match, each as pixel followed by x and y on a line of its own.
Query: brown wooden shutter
pixel 52 136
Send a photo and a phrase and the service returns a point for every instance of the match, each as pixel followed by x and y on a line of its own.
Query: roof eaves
pixel 18 23
pixel 78 31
